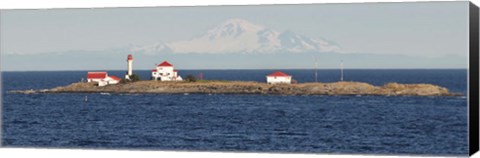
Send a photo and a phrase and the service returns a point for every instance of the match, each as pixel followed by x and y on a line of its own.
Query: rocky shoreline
pixel 243 87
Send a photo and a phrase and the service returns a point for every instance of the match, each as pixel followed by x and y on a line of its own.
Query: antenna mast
pixel 341 70
pixel 316 69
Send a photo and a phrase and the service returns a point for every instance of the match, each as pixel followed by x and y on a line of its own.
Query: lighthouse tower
pixel 130 65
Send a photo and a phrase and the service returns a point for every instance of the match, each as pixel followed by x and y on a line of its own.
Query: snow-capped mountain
pixel 242 36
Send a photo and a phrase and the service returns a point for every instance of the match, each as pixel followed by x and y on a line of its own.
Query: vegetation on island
pixel 190 78
pixel 133 78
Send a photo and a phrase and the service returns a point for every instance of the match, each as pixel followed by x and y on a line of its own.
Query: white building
pixel 113 80
pixel 279 77
pixel 130 66
pixel 165 72
pixel 102 78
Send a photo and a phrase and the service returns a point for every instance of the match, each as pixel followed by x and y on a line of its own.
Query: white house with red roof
pixel 102 78
pixel 165 72
pixel 279 77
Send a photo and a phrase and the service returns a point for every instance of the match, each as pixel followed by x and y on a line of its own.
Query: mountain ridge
pixel 242 36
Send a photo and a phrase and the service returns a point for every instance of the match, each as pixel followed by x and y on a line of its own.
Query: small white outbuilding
pixel 279 77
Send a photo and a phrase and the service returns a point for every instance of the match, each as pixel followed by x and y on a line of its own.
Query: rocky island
pixel 165 80
pixel 245 87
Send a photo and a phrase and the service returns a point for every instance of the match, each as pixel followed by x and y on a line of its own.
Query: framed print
pixel 358 78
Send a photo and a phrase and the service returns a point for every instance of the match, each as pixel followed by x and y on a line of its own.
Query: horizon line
pixel 248 69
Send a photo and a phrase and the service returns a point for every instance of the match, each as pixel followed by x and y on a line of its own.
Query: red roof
pixel 130 57
pixel 96 75
pixel 115 78
pixel 278 73
pixel 174 70
pixel 154 70
pixel 165 63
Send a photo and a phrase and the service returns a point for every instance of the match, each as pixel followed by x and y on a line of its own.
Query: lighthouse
pixel 130 65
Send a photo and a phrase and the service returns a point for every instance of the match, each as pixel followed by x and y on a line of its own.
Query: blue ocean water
pixel 252 123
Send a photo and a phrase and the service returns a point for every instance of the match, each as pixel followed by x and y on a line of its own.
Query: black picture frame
pixel 473 80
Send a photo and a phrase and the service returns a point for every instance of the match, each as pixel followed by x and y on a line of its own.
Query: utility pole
pixel 316 69
pixel 341 70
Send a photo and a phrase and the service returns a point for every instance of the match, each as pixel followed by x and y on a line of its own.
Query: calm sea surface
pixel 254 123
